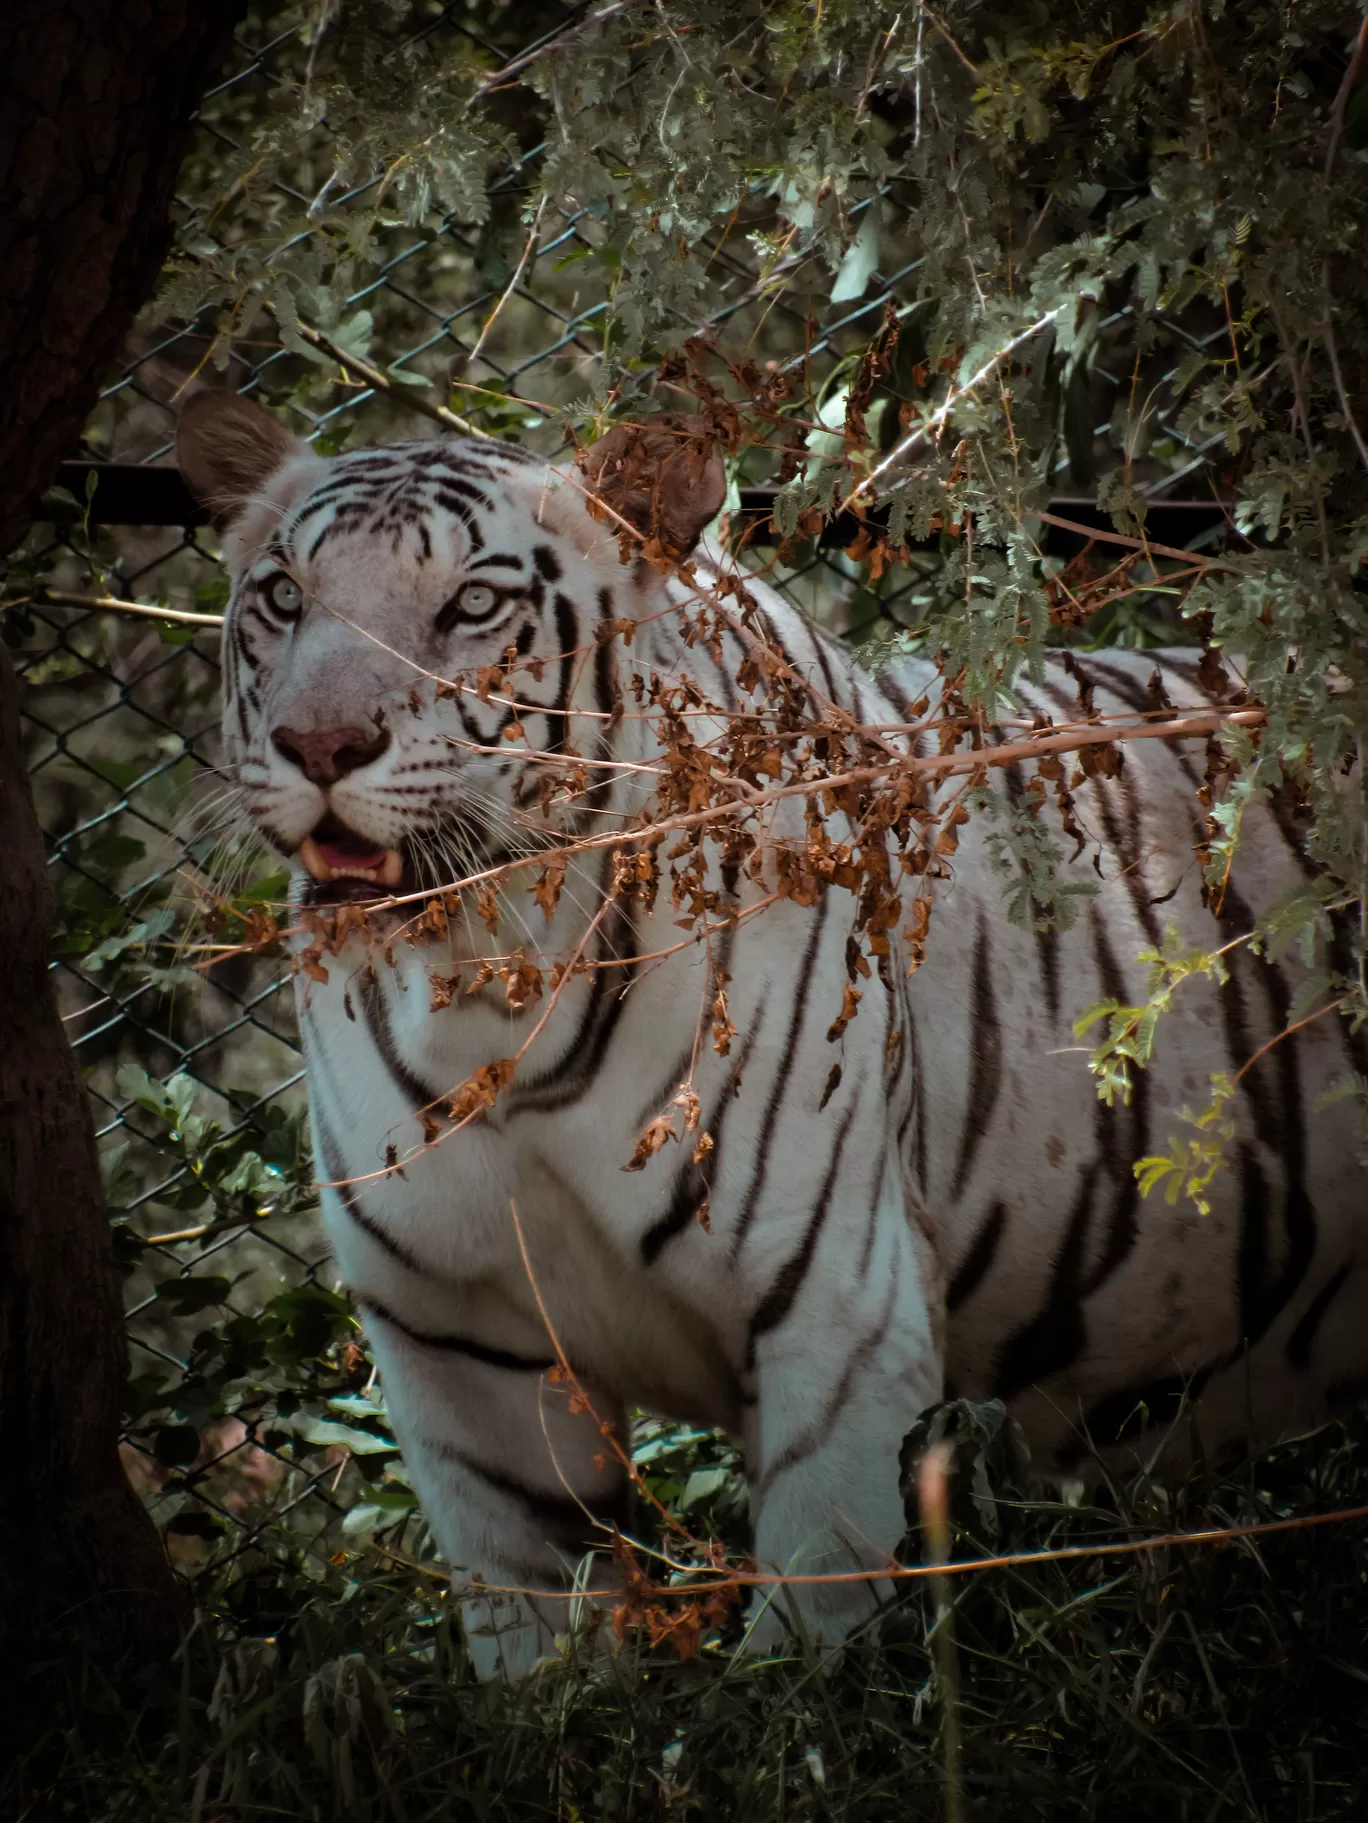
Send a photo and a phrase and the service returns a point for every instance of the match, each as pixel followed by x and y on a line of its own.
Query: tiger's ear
pixel 664 476
pixel 227 448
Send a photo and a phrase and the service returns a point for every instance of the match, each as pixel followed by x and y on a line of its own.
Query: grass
pixel 1185 1685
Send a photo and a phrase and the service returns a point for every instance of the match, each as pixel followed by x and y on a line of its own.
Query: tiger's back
pixel 1097 1312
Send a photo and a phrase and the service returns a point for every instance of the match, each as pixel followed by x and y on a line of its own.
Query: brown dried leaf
pixel 655 1134
pixel 850 1001
pixel 482 1090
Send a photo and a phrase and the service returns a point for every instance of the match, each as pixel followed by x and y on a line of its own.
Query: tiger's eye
pixel 283 595
pixel 475 604
pixel 478 600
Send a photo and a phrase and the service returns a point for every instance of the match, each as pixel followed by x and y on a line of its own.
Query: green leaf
pixel 189 1295
pixel 1356 119
pixel 110 854
pixel 176 1445
pixel 144 1393
pixel 861 260
pixel 353 336
pixel 301 1323
pixel 195 1523
pixel 388 1508
pixel 321 1433
pixel 702 1485
pixel 272 889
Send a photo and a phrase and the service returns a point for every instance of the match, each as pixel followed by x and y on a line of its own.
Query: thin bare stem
pixel 1332 349
pixel 967 1566
pixel 374 376
pixel 511 286
pixel 1346 89
pixel 68 598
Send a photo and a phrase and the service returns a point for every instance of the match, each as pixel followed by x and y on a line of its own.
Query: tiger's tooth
pixel 312 857
pixel 391 868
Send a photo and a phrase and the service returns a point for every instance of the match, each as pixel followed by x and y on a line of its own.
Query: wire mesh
pixel 506 321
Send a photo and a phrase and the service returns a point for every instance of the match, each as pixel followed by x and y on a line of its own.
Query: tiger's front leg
pixel 516 1485
pixel 840 1380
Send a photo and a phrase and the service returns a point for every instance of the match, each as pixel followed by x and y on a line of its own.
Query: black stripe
pixel 567 633
pixel 411 1086
pixel 568 1524
pixel 824 661
pixel 497 561
pixel 461 511
pixel 1122 1133
pixel 694 1182
pixel 447 482
pixel 457 1345
pixel 788 1056
pixel 1118 1418
pixel 608 701
pixel 811 1439
pixel 1046 939
pixel 1303 1337
pixel 1124 839
pixel 872 1225
pixel 974 1267
pixel 788 1281
pixel 653 1103
pixel 578 1065
pixel 1263 1295
pixel 916 1116
pixel 1276 1102
pixel 1055 1337
pixel 985 1053
pixel 461 473
pixel 347 1195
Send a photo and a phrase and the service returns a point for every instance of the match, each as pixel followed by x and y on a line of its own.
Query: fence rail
pixel 134 493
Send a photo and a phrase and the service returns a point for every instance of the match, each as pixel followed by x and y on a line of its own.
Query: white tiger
pixel 957 1213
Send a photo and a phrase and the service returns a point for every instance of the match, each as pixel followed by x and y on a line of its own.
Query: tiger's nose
pixel 325 755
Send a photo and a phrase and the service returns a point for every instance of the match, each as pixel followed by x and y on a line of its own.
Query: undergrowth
pixel 1207 1683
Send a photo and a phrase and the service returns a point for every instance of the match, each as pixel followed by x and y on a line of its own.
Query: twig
pixel 934 1501
pixel 963 1566
pixel 1131 544
pixel 938 27
pixel 67 598
pixel 1346 89
pixel 1277 1038
pixel 875 65
pixel 374 376
pixel 511 286
pixel 572 1379
pixel 924 433
pixel 515 67
pixel 1328 336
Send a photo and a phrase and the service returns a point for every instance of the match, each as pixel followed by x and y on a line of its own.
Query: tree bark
pixel 96 100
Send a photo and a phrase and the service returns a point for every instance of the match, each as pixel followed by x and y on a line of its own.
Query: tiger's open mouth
pixel 346 867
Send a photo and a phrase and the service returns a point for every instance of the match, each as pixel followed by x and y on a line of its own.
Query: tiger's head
pixel 409 648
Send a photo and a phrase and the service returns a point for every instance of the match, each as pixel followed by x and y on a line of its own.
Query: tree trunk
pixel 96 98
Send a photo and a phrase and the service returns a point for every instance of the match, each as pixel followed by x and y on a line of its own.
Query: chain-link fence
pixel 232 1305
